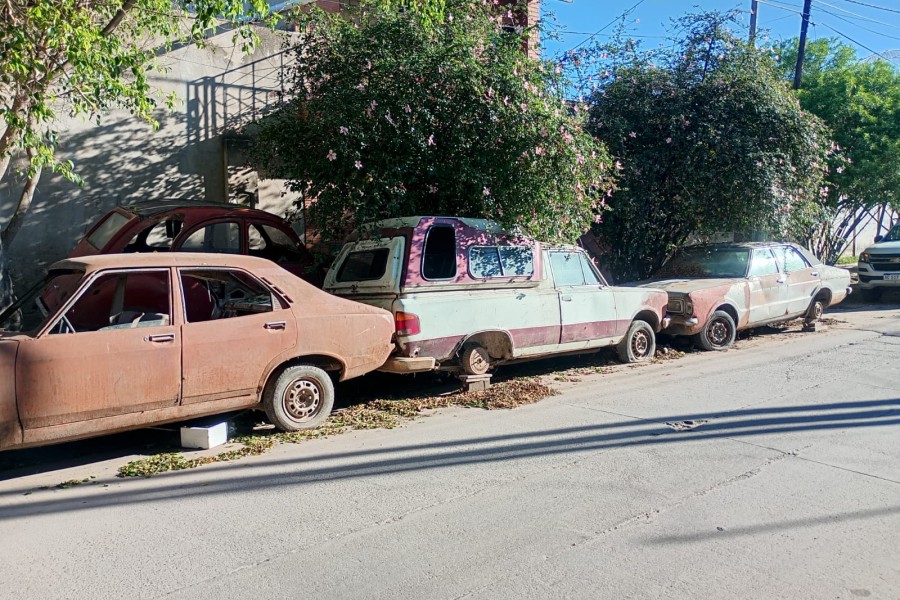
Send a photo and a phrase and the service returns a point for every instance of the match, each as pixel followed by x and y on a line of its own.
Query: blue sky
pixel 868 25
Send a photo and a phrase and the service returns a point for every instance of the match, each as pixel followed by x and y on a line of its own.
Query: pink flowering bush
pixel 389 115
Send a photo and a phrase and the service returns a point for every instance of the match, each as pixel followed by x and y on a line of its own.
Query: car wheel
pixel 719 332
pixel 475 360
pixel 639 344
pixel 871 294
pixel 301 398
pixel 816 310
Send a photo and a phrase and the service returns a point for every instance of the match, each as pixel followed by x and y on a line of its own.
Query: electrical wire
pixel 876 53
pixel 607 26
pixel 884 8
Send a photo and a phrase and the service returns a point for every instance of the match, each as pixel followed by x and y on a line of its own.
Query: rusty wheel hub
pixel 717 332
pixel 302 400
pixel 640 344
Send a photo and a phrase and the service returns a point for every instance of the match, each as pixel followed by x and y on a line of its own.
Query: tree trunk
pixel 15 222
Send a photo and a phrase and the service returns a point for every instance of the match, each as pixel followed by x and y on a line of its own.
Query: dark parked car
pixel 187 226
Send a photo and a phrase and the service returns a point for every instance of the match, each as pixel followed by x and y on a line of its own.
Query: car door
pixel 234 327
pixel 802 279
pixel 112 350
pixel 587 307
pixel 767 287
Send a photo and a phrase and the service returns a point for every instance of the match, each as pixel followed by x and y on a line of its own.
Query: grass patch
pixel 378 413
pixel 847 260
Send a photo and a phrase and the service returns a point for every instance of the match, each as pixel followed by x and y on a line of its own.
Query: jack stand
pixel 475 383
pixel 809 326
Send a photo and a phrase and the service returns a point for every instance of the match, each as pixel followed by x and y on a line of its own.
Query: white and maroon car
pixel 467 295
pixel 716 290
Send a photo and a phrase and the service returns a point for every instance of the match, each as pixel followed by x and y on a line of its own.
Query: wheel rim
pixel 818 310
pixel 477 362
pixel 717 332
pixel 302 400
pixel 640 344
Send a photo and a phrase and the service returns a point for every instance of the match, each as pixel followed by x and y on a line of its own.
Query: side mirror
pixel 878 238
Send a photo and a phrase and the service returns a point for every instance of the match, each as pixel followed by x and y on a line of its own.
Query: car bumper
pixel 680 325
pixel 402 365
pixel 873 279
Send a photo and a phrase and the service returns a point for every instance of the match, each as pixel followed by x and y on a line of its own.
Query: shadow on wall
pixel 121 162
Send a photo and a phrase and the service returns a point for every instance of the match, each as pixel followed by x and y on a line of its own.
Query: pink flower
pixel 840 169
pixel 431 141
pixel 331 155
pixel 668 140
pixel 344 130
pixel 538 150
pixel 486 191
pixel 633 134
pixel 358 165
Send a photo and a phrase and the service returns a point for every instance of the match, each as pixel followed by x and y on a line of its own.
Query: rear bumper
pixel 682 325
pixel 402 365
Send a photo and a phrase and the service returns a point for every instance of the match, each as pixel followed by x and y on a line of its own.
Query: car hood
pixel 884 248
pixel 684 285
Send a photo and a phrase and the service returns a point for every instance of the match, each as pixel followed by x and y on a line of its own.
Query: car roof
pixel 739 245
pixel 98 262
pixel 150 208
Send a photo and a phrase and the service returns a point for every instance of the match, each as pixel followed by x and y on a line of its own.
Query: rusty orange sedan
pixel 116 342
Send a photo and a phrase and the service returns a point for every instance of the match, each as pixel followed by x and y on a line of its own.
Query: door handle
pixel 163 337
pixel 781 280
pixel 275 325
pixel 566 298
pixel 815 273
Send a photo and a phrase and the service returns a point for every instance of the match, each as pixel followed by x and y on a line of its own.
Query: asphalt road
pixel 768 471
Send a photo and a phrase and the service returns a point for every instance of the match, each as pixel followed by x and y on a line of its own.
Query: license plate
pixel 892 277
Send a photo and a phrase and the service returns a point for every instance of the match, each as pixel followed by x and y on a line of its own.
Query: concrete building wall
pixel 123 160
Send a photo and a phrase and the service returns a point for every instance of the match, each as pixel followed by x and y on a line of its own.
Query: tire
pixel 816 310
pixel 718 333
pixel 639 344
pixel 871 294
pixel 475 360
pixel 301 398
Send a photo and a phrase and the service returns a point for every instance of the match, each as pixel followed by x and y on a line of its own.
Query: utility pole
pixel 801 51
pixel 754 8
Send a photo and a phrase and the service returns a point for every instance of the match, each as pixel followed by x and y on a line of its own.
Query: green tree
pixel 860 103
pixel 388 116
pixel 82 58
pixel 709 140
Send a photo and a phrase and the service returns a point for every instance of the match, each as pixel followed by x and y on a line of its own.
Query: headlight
pixel 689 307
pixel 864 257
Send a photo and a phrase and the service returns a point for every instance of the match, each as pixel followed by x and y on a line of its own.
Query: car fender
pixel 329 360
pixel 10 426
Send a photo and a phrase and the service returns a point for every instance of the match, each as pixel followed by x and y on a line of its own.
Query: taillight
pixel 406 324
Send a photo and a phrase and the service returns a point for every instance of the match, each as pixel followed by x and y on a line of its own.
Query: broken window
pixel 120 300
pixel 211 294
pixel 439 260
pixel 222 238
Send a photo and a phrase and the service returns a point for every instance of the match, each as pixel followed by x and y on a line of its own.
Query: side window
pixel 763 263
pixel 590 276
pixel 484 261
pixel 218 237
pixel 156 238
pixel 792 260
pixel 273 244
pixel 439 258
pixel 566 269
pixel 211 294
pixel 124 300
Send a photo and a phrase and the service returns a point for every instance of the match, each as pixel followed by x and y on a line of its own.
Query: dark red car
pixel 189 226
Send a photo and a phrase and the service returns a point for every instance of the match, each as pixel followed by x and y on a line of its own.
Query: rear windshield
pixel 708 261
pixel 364 265
pixel 108 227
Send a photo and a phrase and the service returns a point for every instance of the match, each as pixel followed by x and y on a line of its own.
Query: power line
pixel 857 43
pixel 857 15
pixel 893 37
pixel 607 26
pixel 893 10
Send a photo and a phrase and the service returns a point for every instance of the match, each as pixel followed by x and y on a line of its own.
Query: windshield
pixel 31 311
pixel 893 235
pixel 707 261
